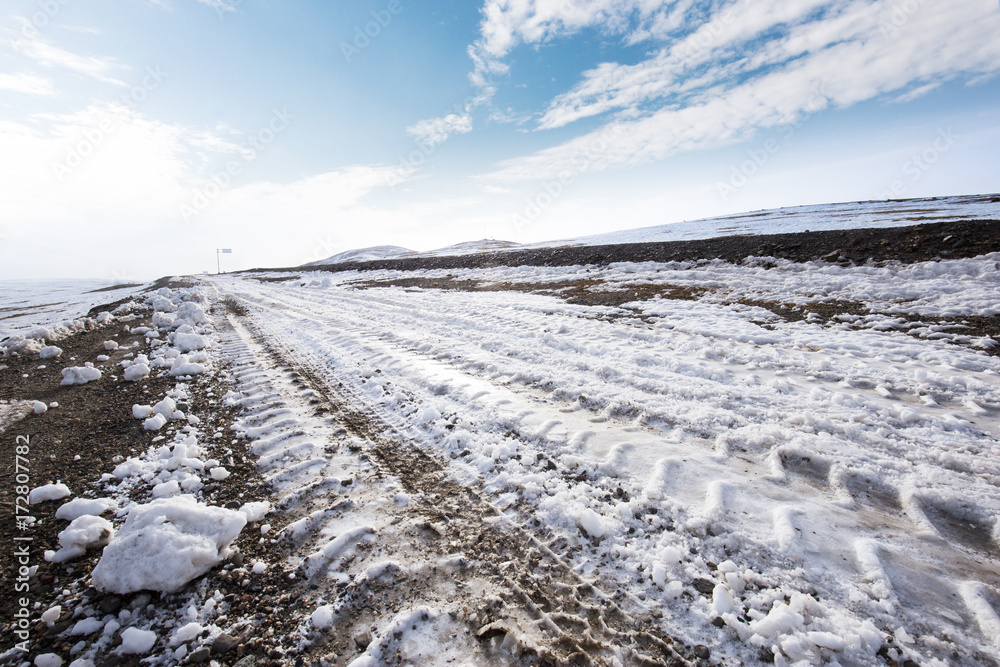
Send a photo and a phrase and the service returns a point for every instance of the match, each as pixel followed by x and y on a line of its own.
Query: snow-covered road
pixel 817 491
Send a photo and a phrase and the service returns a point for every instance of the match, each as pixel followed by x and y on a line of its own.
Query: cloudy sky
pixel 138 136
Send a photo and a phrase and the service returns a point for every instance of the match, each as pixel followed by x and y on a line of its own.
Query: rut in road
pixel 556 616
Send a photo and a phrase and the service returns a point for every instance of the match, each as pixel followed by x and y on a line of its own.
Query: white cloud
pixel 48 55
pixel 27 83
pixel 753 64
pixel 435 131
pixel 117 210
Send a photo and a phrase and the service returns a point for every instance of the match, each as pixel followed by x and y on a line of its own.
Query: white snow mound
pixel 79 375
pixel 165 544
pixel 48 492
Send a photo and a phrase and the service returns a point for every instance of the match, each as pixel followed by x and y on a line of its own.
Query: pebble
pixel 201 655
pixel 224 643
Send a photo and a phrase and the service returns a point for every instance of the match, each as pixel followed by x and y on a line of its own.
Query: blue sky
pixel 137 136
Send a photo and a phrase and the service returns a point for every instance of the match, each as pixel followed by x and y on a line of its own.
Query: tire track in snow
pixel 811 480
pixel 549 609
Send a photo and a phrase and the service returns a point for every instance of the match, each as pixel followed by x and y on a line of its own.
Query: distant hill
pixel 364 255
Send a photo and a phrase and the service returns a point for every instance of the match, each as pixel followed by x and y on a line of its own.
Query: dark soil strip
pixel 943 240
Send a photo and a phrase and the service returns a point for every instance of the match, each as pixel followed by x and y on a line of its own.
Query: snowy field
pixel 481 466
pixel 26 304
pixel 835 484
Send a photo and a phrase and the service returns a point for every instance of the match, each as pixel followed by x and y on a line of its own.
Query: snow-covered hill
pixel 364 255
pixel 822 217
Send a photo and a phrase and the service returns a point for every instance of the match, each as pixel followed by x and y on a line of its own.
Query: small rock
pixel 249 661
pixel 702 652
pixel 719 622
pixel 201 655
pixel 233 505
pixel 363 640
pixel 237 559
pixel 224 643
pixel 111 604
pixel 704 586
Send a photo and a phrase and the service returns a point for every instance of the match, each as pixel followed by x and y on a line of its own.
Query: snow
pixel 39 407
pixel 136 641
pixel 48 492
pixel 137 372
pixel 166 543
pixel 322 618
pixel 78 507
pixel 86 626
pixel 79 375
pixel 188 342
pixel 364 255
pixel 255 511
pixel 182 365
pixel 84 532
pixel 822 465
pixel 154 423
pixel 48 660
pixel 50 352
pixel 51 615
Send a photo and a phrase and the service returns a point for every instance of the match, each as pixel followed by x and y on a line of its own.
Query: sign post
pixel 218 254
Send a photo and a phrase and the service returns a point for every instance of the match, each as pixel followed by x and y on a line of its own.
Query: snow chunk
pixel 78 507
pixel 48 492
pixel 137 641
pixel 141 411
pixel 79 375
pixel 51 615
pixel 165 544
pixel 219 473
pixel 182 366
pixel 83 533
pixel 86 626
pixel 49 352
pixel 167 489
pixel 48 660
pixel 154 423
pixel 186 633
pixel 190 313
pixel 255 511
pixel 39 408
pixel 136 372
pixel 110 345
pixel 166 407
pixel 591 522
pixel 322 618
pixel 780 620
pixel 189 342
